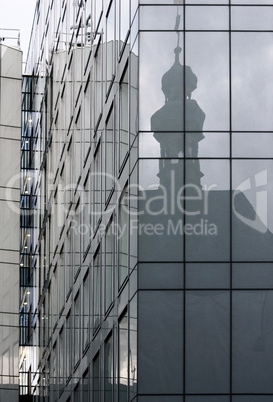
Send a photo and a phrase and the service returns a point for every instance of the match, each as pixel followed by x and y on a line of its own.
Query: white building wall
pixel 10 132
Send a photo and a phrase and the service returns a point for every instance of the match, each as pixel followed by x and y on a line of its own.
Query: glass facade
pixel 147 139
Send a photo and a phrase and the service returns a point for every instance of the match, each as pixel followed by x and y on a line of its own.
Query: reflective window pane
pixel 108 370
pixel 251 276
pixel 207 18
pixel 258 2
pixel 123 118
pixel 252 201
pixel 124 9
pixel 133 99
pixel 207 342
pixel 77 328
pixel 252 18
pixel 109 155
pixel 98 84
pixel 160 364
pixel 109 266
pixel 160 18
pixel 123 239
pixel 96 291
pixel 160 398
pixel 86 311
pixel 160 211
pixel 207 398
pixel 151 177
pixel 252 145
pixel 251 70
pixel 96 188
pixel 252 398
pixel 252 325
pixel 207 207
pixel 68 345
pixel 110 46
pixel 96 379
pixel 123 358
pixel 148 146
pixel 86 386
pixel 156 56
pixel 208 56
pixel 133 348
pixel 215 174
pixel 204 276
pixel 160 276
pixel 207 1
pixel 156 2
pixel 212 145
pixel 134 6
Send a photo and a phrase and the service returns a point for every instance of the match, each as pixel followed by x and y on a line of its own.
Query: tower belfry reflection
pixel 179 115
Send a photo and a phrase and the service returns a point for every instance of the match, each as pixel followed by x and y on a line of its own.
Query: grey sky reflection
pixel 252 85
pixel 206 54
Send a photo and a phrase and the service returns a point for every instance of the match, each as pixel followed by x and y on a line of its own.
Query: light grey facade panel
pixel 10 134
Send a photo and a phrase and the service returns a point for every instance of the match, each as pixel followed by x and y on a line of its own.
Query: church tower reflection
pixel 179 115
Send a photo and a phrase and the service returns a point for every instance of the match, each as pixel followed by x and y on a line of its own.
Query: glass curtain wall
pixel 205 200
pixel 83 101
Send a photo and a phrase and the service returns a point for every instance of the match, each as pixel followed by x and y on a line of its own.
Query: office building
pixel 146 193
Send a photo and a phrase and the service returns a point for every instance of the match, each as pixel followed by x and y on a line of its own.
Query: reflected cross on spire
pixel 177 21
